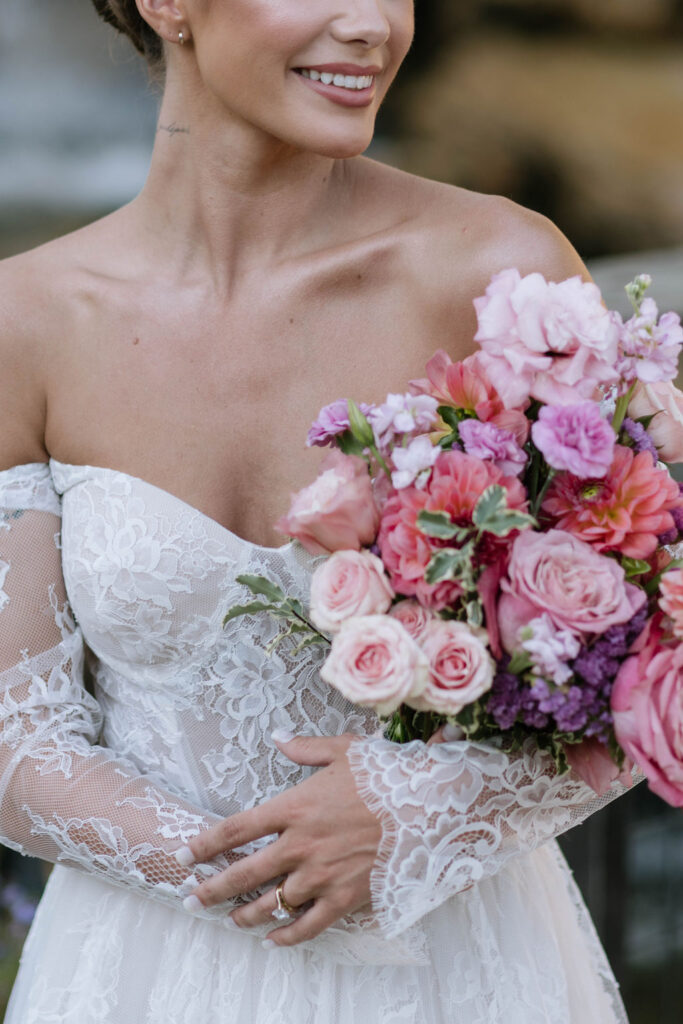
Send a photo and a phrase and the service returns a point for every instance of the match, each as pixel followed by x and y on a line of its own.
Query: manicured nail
pixel 184 856
pixel 192 904
pixel 282 735
pixel 269 944
pixel 452 733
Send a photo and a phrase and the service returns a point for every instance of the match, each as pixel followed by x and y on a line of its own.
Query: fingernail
pixel 282 735
pixel 184 856
pixel 192 904
pixel 452 733
pixel 269 944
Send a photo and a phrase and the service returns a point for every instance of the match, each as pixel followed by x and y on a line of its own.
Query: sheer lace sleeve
pixel 454 813
pixel 62 797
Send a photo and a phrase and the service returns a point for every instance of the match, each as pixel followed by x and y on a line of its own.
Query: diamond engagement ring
pixel 283 911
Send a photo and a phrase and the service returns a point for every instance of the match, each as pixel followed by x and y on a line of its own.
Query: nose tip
pixel 365 23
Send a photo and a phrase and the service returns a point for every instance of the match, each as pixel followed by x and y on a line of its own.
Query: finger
pixel 314 921
pixel 245 876
pixel 260 911
pixel 317 751
pixel 267 819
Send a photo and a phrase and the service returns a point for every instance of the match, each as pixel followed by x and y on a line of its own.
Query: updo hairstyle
pixel 125 17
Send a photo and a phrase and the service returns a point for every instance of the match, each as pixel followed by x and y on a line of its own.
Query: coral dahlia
pixel 455 485
pixel 625 511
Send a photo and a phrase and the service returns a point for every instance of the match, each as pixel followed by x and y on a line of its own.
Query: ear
pixel 168 18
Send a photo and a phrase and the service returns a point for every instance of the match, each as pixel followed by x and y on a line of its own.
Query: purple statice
pixel 642 442
pixel 333 419
pixel 491 443
pixel 575 438
pixel 649 345
pixel 511 700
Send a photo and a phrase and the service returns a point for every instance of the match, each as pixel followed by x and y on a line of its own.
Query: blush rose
pixel 347 584
pixel 664 403
pixel 460 668
pixel 413 616
pixel 337 510
pixel 557 573
pixel 374 662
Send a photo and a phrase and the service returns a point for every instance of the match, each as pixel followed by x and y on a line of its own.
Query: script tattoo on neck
pixel 174 129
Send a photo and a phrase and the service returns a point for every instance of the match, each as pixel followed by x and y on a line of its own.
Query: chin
pixel 337 145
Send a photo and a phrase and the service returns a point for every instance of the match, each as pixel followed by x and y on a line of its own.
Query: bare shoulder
pixel 456 240
pixel 37 314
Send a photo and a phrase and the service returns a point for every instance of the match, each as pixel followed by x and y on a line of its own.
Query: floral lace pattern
pixel 173 732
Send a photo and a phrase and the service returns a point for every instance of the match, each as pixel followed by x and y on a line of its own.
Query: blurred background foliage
pixel 571 107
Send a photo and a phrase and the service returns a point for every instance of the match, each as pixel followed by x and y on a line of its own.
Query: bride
pixel 160 370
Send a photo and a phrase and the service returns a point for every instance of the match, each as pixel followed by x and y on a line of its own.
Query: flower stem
pixel 622 408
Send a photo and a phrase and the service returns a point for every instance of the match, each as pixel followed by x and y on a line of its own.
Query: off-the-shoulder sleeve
pixel 62 796
pixel 453 814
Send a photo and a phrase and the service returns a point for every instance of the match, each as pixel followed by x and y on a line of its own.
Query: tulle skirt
pixel 516 949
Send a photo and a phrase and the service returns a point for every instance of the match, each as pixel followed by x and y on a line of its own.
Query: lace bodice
pixel 172 730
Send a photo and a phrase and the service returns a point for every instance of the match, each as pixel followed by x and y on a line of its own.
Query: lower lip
pixel 344 97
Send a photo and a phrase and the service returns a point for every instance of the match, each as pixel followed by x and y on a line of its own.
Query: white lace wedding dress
pixel 130 720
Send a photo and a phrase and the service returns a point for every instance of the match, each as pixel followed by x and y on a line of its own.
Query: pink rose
pixel 664 402
pixel 337 510
pixel 413 617
pixel 557 573
pixel 647 705
pixel 591 761
pixel 348 583
pixel 461 668
pixel 374 662
pixel 553 342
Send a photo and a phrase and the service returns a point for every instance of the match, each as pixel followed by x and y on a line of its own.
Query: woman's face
pixel 311 73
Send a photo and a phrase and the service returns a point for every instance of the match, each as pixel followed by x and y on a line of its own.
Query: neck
pixel 224 197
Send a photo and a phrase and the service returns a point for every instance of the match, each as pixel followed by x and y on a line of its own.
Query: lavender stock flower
pixel 642 442
pixel 648 349
pixel 333 419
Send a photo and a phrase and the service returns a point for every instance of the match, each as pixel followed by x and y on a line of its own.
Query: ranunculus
pixel 337 510
pixel 664 402
pixel 647 705
pixel 671 599
pixel 413 617
pixel 347 584
pixel 460 668
pixel 626 511
pixel 575 438
pixel 455 485
pixel 562 576
pixel 553 342
pixel 375 662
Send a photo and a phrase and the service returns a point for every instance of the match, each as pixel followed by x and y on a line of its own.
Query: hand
pixel 327 844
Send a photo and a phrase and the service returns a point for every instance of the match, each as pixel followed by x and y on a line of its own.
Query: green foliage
pixel 288 610
pixel 439 525
pixel 492 515
pixel 360 427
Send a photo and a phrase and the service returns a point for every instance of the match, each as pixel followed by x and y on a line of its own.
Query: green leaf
pixel 449 440
pixel 634 566
pixel 520 662
pixel 491 514
pixel 451 564
pixel 310 641
pixel 349 445
pixel 261 585
pixel 437 524
pixel 360 428
pixel 475 613
pixel 246 609
pixel 451 417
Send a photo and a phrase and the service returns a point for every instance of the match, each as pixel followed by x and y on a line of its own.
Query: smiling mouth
pixel 353 83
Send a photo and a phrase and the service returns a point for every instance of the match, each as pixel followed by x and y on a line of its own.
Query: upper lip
pixel 342 69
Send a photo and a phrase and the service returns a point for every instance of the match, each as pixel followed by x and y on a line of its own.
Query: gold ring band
pixel 284 910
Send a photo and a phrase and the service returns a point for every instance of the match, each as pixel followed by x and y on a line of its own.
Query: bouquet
pixel 501 539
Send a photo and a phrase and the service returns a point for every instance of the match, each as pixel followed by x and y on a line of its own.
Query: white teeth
pixel 353 82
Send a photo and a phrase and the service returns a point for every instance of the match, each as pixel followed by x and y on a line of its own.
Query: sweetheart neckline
pixel 181 501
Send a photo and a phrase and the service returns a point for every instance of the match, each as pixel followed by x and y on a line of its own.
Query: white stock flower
pixel 414 462
pixel 550 649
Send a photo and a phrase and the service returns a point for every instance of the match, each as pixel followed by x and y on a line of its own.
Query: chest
pixel 212 400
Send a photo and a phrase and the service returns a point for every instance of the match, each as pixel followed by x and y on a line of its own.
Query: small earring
pixel 181 38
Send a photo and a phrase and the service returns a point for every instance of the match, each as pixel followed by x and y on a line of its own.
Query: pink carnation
pixel 553 342
pixel 575 438
pixel 487 441
pixel 626 511
pixel 647 705
pixel 337 510
pixel 456 484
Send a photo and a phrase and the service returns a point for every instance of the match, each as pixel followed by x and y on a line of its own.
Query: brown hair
pixel 125 17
